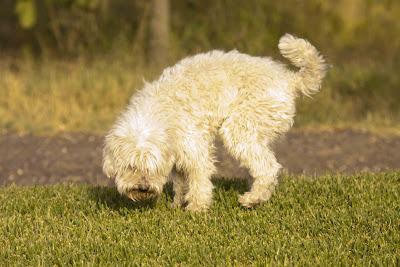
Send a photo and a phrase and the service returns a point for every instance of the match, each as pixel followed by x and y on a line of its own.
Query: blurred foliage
pixel 345 29
pixel 26 11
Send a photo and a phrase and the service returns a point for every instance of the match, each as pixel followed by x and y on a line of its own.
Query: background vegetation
pixel 72 64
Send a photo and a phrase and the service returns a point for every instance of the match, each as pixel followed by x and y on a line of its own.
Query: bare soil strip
pixel 73 157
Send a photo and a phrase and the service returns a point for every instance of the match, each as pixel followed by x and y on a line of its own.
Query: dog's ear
pixel 108 165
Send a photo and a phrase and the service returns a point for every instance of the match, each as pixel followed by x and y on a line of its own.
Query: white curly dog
pixel 170 127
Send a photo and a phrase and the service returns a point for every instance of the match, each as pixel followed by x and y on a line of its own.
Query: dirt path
pixel 28 159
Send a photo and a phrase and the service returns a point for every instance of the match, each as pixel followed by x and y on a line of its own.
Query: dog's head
pixel 138 174
pixel 139 186
pixel 138 161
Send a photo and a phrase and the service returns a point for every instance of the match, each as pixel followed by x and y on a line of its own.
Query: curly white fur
pixel 170 127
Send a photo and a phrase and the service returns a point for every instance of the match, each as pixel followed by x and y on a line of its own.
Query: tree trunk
pixel 159 31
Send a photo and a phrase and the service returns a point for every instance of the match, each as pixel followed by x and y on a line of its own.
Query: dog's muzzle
pixel 142 193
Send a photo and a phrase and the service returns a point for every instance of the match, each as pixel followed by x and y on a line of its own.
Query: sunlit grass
pixel 329 220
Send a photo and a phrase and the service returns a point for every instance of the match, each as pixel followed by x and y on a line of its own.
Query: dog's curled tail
pixel 306 57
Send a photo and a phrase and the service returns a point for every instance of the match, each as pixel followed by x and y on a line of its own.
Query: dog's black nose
pixel 143 187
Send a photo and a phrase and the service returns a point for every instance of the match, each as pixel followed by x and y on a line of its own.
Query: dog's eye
pixel 133 170
pixel 131 166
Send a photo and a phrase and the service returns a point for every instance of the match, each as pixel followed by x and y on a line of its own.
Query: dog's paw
pixel 249 199
pixel 176 205
pixel 196 207
pixel 178 201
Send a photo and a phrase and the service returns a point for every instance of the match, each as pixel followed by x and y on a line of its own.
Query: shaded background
pixel 346 30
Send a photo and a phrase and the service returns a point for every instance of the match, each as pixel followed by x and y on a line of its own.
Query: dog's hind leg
pixel 264 172
pixel 248 141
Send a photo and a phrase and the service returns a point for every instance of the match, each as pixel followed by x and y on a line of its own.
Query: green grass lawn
pixel 330 220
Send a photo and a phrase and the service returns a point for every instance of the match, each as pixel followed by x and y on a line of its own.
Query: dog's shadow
pixel 237 185
pixel 110 198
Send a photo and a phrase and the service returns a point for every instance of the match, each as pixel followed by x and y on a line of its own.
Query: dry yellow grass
pixel 61 96
pixel 53 96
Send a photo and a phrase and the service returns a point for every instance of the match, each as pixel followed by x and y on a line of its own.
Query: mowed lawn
pixel 328 220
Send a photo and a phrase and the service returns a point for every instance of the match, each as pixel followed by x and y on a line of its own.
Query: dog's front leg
pixel 180 188
pixel 199 193
pixel 195 161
